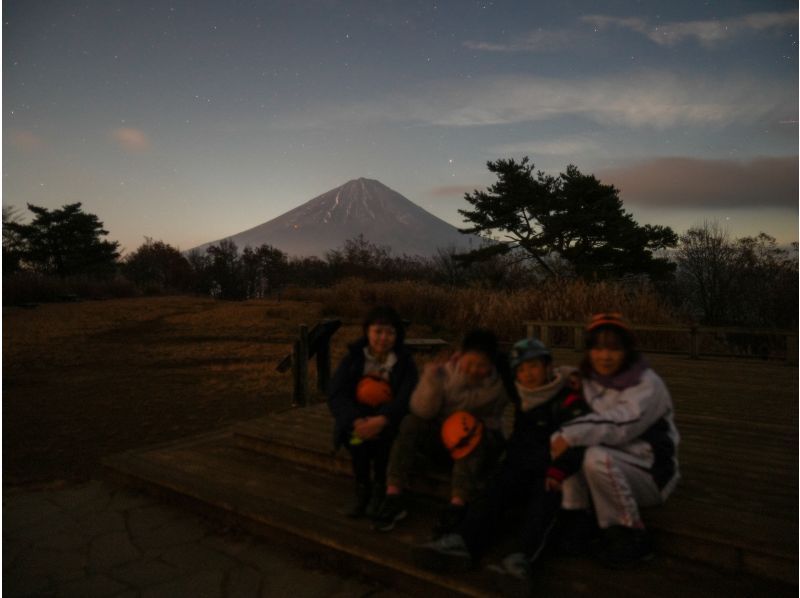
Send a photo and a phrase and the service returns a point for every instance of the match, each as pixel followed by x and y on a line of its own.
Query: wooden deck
pixel 730 529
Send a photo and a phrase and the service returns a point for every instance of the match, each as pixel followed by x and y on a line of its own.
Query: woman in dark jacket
pixel 369 395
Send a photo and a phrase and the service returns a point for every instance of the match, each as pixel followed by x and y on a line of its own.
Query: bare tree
pixel 705 258
pixel 745 281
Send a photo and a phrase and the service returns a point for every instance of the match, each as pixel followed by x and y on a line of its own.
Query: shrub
pixel 30 287
pixel 157 267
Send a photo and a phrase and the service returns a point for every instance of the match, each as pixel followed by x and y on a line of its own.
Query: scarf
pixel 372 367
pixel 530 398
pixel 628 377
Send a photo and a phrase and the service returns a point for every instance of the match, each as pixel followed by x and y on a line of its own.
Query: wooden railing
pixel 544 331
pixel 310 343
pixel 317 343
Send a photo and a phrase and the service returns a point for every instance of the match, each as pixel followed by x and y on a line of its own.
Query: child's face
pixel 475 366
pixel 533 373
pixel 608 355
pixel 381 338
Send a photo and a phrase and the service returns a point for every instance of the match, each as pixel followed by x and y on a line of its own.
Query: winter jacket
pixel 341 397
pixel 537 414
pixel 444 390
pixel 637 419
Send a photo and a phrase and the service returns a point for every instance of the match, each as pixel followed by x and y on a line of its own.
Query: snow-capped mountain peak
pixel 359 207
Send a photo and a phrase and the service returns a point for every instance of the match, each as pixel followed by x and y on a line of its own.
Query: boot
pixel 577 532
pixel 625 547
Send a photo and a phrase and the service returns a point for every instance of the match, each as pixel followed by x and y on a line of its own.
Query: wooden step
pixel 306 438
pixel 302 507
pixel 728 511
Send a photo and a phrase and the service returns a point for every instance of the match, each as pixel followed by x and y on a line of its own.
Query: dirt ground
pixel 82 380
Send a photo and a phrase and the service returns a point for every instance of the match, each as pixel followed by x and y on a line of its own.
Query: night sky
pixel 190 121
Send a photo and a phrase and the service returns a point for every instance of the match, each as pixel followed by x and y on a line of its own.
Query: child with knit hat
pixel 455 416
pixel 545 397
pixel 630 445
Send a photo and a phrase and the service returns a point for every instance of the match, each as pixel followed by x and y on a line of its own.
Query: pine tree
pixel 573 218
pixel 64 242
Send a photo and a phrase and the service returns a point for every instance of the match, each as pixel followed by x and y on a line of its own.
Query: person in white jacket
pixel 631 459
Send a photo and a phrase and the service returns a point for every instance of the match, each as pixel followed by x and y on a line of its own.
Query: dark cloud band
pixel 693 183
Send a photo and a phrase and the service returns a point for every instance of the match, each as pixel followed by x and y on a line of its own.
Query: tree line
pixel 536 226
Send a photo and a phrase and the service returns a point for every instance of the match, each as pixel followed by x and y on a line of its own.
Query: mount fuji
pixel 359 207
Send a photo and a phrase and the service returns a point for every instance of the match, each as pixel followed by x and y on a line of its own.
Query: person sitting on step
pixel 455 418
pixel 368 397
pixel 524 491
pixel 630 446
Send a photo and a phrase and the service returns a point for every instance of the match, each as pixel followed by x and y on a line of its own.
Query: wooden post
pixel 578 332
pixel 791 349
pixel 533 330
pixel 297 398
pixel 545 338
pixel 323 366
pixel 694 343
pixel 300 368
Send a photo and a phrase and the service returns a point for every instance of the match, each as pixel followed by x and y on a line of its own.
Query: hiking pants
pixel 618 483
pixel 371 454
pixel 514 497
pixel 422 437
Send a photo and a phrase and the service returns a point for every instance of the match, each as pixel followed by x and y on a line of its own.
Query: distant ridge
pixel 359 207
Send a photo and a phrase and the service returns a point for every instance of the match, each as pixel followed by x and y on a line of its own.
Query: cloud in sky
pixel 709 184
pixel 708 33
pixel 26 140
pixel 567 146
pixel 681 182
pixel 131 139
pixel 453 190
pixel 646 99
pixel 536 41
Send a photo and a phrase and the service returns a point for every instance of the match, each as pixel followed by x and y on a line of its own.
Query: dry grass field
pixel 81 380
pixel 500 310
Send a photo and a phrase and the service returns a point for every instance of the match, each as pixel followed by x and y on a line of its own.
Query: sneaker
pixel 514 575
pixel 446 554
pixel 360 501
pixel 625 547
pixel 392 510
pixel 450 517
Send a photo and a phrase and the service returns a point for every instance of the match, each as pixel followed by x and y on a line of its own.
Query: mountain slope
pixel 359 207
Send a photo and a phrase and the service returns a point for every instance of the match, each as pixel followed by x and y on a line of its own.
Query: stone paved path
pixel 99 540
